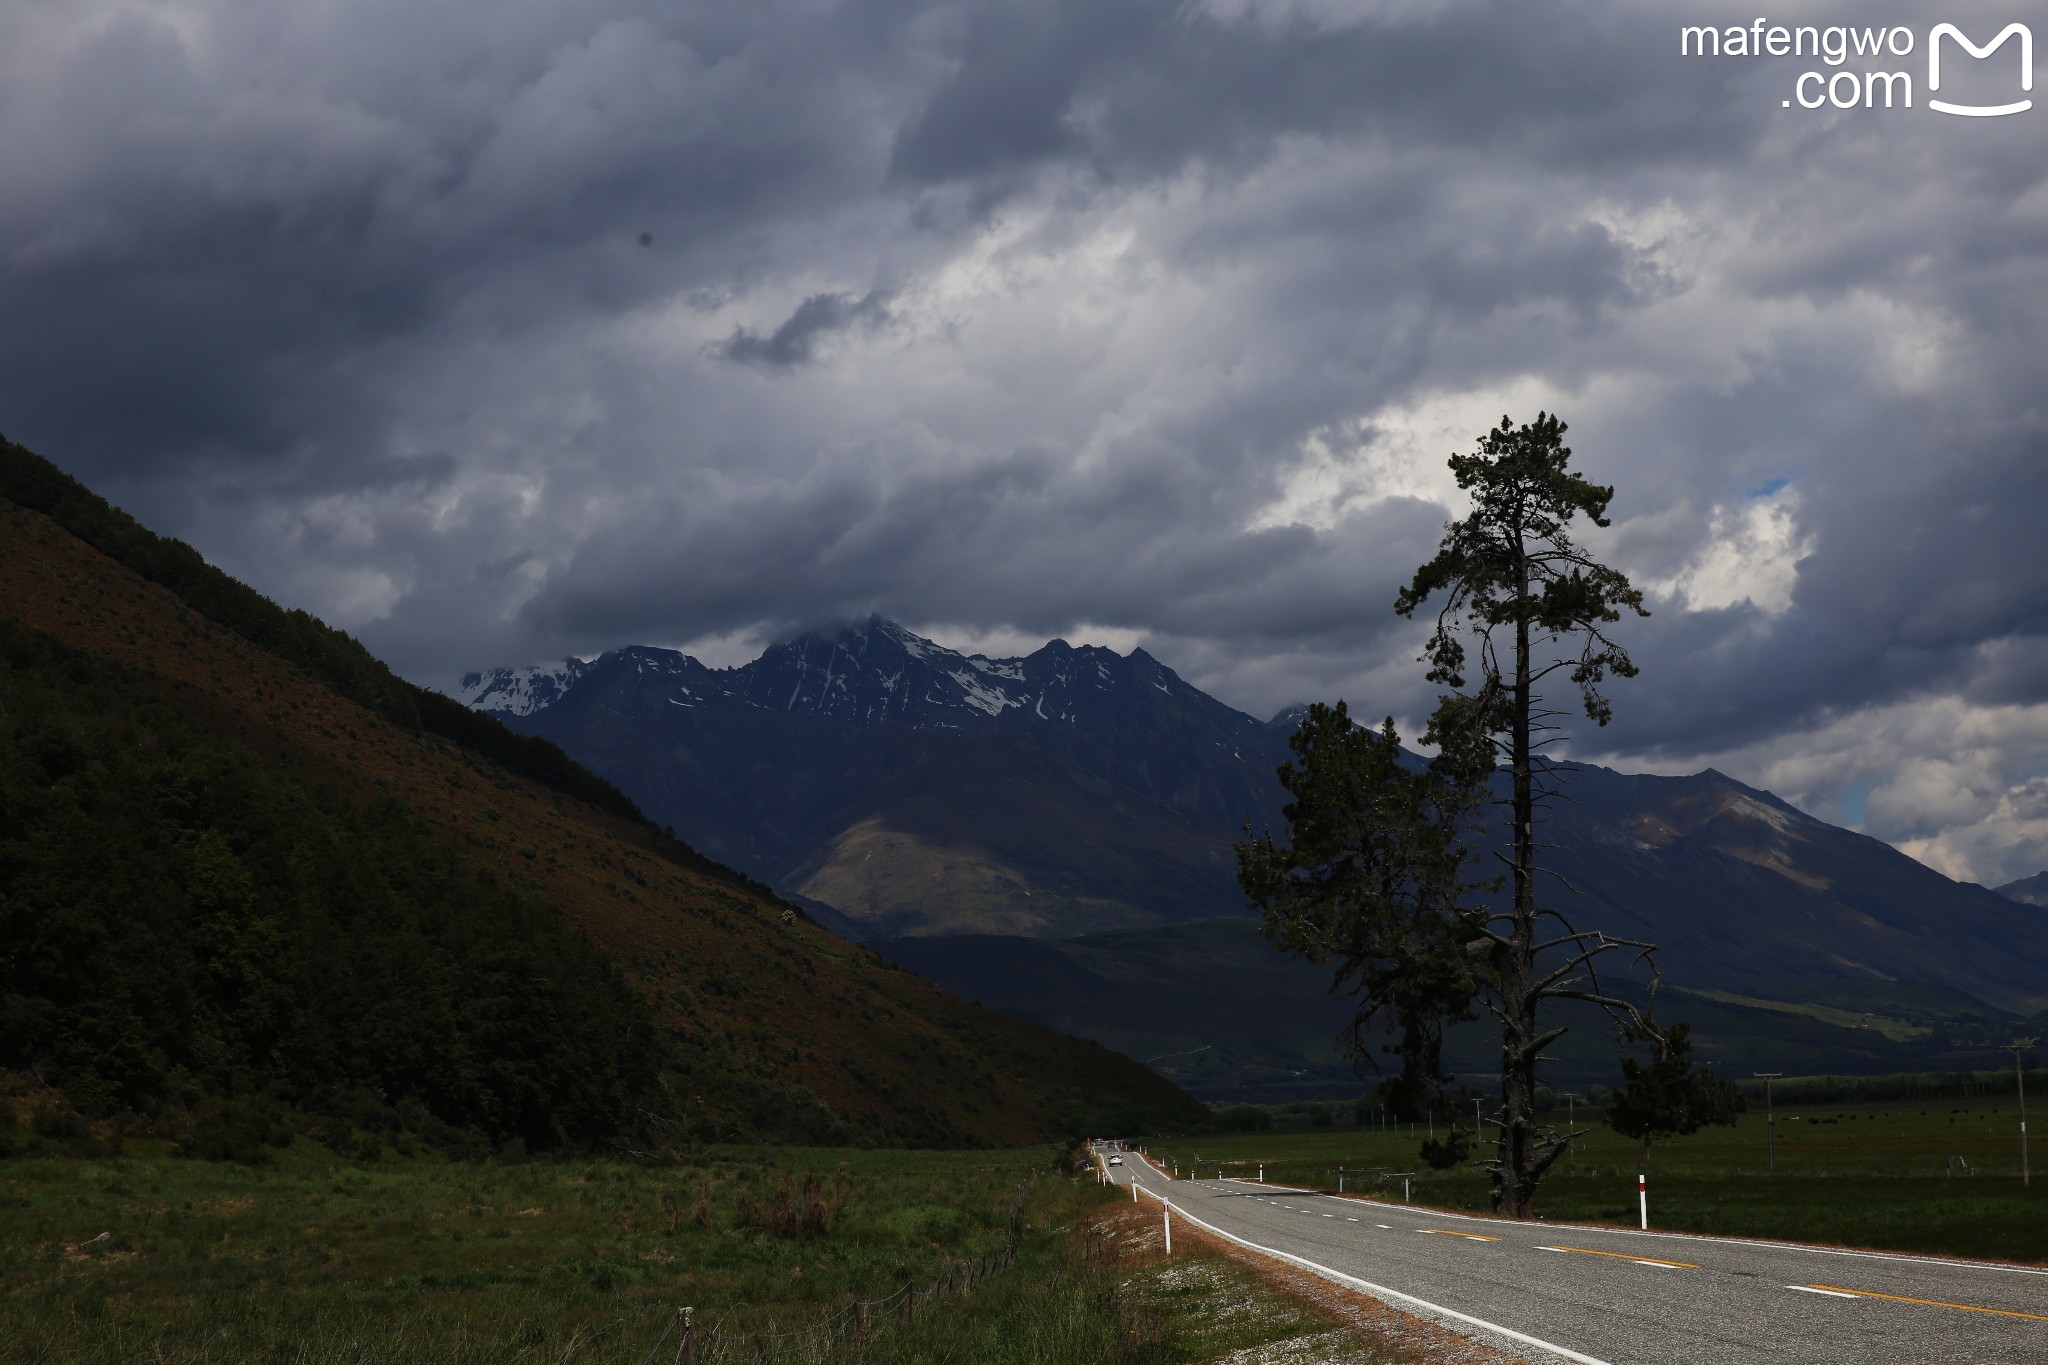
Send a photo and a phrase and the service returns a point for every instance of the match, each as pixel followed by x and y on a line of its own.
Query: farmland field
pixel 1872 1175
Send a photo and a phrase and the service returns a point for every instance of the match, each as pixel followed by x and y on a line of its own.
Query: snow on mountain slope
pixel 876 672
pixel 520 691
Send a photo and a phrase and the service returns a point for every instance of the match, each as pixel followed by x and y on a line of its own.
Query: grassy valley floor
pixel 311 1260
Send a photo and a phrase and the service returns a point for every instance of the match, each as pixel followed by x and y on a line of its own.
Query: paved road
pixel 1554 1291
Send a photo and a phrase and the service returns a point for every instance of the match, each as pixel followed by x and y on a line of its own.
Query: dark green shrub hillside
pixel 332 656
pixel 186 931
pixel 336 658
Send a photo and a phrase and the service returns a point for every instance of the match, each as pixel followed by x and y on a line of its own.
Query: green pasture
pixel 1870 1175
pixel 313 1260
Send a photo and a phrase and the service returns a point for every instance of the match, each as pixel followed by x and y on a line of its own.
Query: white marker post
pixel 1262 1172
pixel 1168 1211
pixel 1643 1200
pixel 1134 1190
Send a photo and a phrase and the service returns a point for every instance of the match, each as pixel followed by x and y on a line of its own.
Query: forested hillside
pixel 182 920
pixel 233 875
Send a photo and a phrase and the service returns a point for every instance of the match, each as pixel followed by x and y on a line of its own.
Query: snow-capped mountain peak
pixel 520 691
pixel 877 672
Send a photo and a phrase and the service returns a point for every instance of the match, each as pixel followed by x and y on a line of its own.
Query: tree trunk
pixel 1514 1180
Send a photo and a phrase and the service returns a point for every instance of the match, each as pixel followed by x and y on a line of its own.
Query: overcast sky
pixel 497 331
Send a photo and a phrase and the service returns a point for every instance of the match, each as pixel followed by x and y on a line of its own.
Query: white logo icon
pixel 1980 110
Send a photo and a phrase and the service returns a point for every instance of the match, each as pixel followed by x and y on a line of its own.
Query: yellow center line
pixel 1470 1236
pixel 1930 1303
pixel 1623 1256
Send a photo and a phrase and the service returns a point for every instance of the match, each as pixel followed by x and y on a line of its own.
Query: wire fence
pixel 843 1332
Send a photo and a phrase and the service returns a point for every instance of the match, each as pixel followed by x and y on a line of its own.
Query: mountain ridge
pixel 1080 790
pixel 2027 890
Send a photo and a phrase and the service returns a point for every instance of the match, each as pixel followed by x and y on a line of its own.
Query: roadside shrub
pixel 236 1130
pixel 57 1129
pixel 1442 1155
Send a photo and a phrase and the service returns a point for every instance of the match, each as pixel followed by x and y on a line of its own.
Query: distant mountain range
pixel 905 789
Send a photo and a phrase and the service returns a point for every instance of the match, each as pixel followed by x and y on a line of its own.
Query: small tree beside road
pixel 1666 1097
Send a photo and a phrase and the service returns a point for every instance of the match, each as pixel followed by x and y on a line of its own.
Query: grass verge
pixel 1215 1302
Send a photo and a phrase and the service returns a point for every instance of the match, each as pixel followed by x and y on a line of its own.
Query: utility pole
pixel 1770 1120
pixel 1569 1122
pixel 2019 1071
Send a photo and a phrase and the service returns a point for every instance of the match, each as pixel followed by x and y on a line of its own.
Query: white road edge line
pixel 1382 1292
pixel 1831 1293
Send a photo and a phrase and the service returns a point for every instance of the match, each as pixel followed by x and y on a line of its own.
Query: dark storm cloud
pixel 794 342
pixel 1139 89
pixel 215 235
pixel 496 332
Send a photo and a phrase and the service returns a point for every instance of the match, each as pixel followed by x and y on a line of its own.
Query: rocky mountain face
pixel 1744 892
pixel 905 789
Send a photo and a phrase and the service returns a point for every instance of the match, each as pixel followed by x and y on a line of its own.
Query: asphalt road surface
pixel 1607 1296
